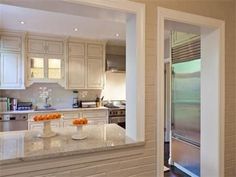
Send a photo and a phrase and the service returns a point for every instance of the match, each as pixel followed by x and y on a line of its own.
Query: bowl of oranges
pixel 46 120
pixel 47 117
pixel 79 123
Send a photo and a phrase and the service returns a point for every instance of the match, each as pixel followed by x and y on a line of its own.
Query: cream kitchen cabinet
pixel 96 116
pixel 86 66
pixel 95 50
pixel 32 125
pixel 95 73
pixel 10 43
pixel 76 78
pixel 11 73
pixel 41 46
pixel 45 60
pixel 39 126
pixel 11 60
pixel 76 65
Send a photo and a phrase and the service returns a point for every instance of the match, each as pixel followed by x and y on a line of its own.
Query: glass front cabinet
pixel 45 68
pixel 45 60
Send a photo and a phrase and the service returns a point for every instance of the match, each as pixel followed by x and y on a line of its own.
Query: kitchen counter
pixel 56 110
pixel 23 146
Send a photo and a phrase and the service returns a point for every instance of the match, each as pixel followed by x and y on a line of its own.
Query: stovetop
pixel 114 106
pixel 115 109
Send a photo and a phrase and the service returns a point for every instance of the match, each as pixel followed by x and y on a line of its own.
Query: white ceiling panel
pixel 60 23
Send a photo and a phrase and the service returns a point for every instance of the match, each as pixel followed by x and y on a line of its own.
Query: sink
pixel 45 109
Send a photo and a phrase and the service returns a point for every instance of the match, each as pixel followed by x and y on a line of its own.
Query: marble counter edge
pixel 71 153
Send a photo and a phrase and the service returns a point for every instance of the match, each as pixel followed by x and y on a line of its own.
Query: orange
pixel 36 118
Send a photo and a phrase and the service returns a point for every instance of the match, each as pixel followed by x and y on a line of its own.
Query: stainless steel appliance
pixel 88 104
pixel 4 104
pixel 75 99
pixel 22 106
pixel 115 58
pixel 116 114
pixel 185 115
pixel 13 122
pixel 13 104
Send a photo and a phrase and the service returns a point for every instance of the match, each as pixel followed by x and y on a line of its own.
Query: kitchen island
pixel 23 153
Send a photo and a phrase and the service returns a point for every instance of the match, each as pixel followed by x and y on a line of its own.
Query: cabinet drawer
pixel 35 126
pixel 95 50
pixel 39 126
pixel 11 43
pixel 71 115
pixel 97 121
pixel 36 46
pixel 76 49
pixel 94 114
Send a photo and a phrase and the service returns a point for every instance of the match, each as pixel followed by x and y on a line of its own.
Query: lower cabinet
pixel 95 117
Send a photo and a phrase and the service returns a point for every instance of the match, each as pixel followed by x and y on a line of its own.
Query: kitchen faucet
pixel 47 105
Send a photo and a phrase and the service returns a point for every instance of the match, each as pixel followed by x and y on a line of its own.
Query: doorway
pixel 212 89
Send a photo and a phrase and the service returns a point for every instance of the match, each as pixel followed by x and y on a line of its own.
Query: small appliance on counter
pixel 88 104
pixel 4 104
pixel 75 99
pixel 13 104
pixel 23 106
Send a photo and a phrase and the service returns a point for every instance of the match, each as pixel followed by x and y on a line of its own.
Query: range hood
pixel 115 59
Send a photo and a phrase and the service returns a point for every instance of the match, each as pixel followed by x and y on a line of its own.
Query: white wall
pixel 114 87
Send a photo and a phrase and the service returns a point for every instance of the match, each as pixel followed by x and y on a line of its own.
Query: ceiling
pixel 93 23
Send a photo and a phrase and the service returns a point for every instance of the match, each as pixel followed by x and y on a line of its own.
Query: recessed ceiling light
pixel 117 34
pixel 76 29
pixel 22 22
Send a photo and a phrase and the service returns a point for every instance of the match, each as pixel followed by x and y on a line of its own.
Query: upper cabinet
pixel 11 43
pixel 76 65
pixel 95 66
pixel 95 51
pixel 73 63
pixel 179 38
pixel 12 60
pixel 45 60
pixel 86 65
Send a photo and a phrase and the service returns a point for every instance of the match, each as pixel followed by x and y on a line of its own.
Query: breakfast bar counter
pixel 26 146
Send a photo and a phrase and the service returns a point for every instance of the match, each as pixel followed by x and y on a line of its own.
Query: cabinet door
pixel 35 126
pixel 95 73
pixel 95 113
pixel 76 49
pixel 76 72
pixel 10 70
pixel 95 50
pixel 54 67
pixel 54 47
pixel 36 46
pixel 36 64
pixel 11 43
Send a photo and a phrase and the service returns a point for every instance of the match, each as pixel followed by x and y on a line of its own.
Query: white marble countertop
pixel 25 145
pixel 56 110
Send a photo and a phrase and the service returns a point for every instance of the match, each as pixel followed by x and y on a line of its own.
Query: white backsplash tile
pixel 58 96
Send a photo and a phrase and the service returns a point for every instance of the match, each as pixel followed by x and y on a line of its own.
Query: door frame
pixel 135 57
pixel 218 101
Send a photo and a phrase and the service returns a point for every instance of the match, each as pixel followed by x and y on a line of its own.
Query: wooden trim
pixel 197 20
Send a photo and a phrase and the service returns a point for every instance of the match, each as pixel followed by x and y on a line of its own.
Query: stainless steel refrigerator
pixel 185 115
